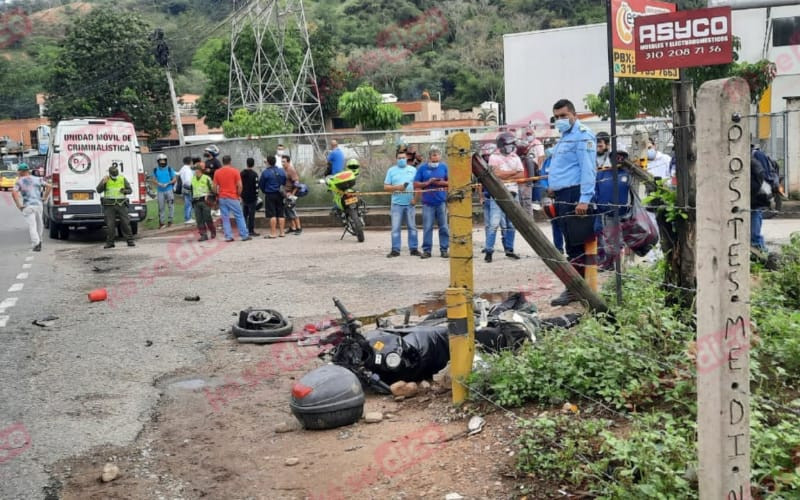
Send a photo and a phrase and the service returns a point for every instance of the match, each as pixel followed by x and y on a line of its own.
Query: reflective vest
pixel 201 186
pixel 114 188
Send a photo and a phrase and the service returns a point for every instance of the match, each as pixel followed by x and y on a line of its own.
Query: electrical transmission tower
pixel 279 71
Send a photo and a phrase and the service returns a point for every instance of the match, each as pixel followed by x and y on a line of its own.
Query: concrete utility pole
pixel 459 296
pixel 535 237
pixel 723 290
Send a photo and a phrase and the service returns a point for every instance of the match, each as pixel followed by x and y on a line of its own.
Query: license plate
pixel 81 196
pixel 350 201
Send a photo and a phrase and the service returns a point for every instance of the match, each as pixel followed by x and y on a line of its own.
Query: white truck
pixel 80 153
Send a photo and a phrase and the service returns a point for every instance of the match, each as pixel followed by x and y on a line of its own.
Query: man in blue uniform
pixel 571 178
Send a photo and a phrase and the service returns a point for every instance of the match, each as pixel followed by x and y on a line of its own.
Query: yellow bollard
pixel 460 316
pixel 590 263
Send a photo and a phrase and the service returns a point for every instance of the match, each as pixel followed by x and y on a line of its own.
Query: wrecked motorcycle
pixel 352 351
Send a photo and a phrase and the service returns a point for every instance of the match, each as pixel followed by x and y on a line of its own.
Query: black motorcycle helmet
pixel 506 143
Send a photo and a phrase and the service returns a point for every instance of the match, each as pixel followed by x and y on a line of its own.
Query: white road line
pixel 27 266
pixel 22 276
pixel 3 320
pixel 16 287
pixel 9 302
pixel 29 258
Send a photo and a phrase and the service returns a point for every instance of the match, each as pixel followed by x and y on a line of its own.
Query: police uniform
pixel 572 176
pixel 114 194
pixel 201 187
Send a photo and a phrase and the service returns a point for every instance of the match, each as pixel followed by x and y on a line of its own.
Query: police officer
pixel 571 178
pixel 114 189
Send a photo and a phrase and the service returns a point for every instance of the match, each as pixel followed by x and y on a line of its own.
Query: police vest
pixel 115 188
pixel 201 186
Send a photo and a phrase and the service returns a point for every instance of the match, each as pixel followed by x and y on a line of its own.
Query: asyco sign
pixel 684 39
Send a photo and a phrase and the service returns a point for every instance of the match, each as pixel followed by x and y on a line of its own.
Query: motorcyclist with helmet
pixel 165 178
pixel 213 164
pixel 507 166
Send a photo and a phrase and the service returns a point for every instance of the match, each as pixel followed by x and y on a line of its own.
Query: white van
pixel 80 153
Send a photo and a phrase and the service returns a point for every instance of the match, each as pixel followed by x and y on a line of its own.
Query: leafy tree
pixel 106 68
pixel 265 121
pixel 364 106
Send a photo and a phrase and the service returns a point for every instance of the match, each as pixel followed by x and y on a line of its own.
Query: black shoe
pixel 255 234
pixel 564 299
pixel 298 232
pixel 487 257
pixel 290 230
pixel 229 240
pixel 512 255
pixel 415 253
pixel 131 243
pixel 445 254
pixel 203 237
pixel 425 255
pixel 108 245
pixel 213 234
pixel 393 253
pixel 38 247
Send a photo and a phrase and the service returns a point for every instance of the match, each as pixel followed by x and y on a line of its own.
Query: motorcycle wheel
pixel 355 223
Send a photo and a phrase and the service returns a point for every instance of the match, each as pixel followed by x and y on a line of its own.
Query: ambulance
pixel 78 157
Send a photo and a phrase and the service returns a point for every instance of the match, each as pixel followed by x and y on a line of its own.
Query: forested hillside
pixel 451 48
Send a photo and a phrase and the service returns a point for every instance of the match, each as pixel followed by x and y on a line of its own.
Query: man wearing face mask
pixel 400 182
pixel 432 179
pixel 658 163
pixel 507 166
pixel 114 189
pixel 572 180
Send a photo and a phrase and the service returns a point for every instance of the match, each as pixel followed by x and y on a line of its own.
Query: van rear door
pixel 87 149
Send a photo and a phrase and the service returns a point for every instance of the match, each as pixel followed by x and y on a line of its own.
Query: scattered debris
pixel 148 343
pixel 443 377
pixel 46 321
pixel 286 427
pixel 373 417
pixel 424 386
pixel 453 496
pixel 104 269
pixel 354 448
pixel 98 295
pixel 404 389
pixel 110 473
pixel 192 298
pixel 475 425
pixel 569 408
pixel 292 461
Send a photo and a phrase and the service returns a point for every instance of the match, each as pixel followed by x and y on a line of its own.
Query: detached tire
pixel 270 324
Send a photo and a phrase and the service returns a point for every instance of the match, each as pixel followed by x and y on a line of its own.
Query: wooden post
pixel 460 316
pixel 723 291
pixel 681 250
pixel 524 224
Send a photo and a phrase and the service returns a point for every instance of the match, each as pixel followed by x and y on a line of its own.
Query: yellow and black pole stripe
pixel 458 297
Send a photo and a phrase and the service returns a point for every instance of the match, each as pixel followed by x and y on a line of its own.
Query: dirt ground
pixel 229 433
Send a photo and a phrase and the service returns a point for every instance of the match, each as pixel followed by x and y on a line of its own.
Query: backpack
pixel 772 174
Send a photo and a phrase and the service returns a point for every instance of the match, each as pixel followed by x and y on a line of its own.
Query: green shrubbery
pixel 633 383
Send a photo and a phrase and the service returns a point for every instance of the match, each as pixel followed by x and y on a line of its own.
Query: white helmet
pixel 161 159
pixel 213 150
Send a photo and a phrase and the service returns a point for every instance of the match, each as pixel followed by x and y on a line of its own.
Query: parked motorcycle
pixel 349 207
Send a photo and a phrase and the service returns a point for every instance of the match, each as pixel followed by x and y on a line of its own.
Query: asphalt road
pixel 92 377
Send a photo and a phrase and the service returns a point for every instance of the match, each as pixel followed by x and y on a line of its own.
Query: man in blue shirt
pixel 572 178
pixel 165 179
pixel 400 182
pixel 272 179
pixel 432 176
pixel 335 159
